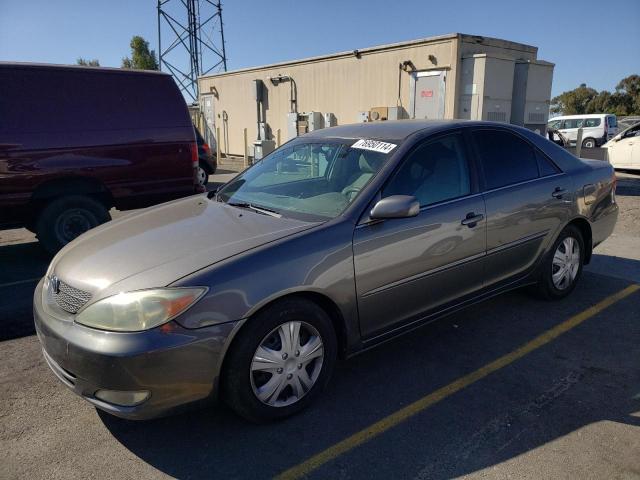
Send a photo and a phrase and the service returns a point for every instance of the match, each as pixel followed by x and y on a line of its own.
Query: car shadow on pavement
pixel 620 267
pixel 586 376
pixel 21 267
pixel 629 185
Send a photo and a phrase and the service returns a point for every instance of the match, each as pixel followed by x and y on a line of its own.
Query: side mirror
pixel 395 206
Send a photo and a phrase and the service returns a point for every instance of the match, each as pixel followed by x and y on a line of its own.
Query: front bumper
pixel 177 366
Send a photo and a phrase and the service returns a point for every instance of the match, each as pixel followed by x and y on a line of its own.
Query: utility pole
pixel 191 41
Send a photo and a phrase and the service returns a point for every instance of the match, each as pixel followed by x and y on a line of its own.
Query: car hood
pixel 157 246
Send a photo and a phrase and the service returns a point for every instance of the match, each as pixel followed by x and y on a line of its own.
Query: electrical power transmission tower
pixel 191 41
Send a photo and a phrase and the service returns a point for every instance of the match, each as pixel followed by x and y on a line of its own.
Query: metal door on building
pixel 208 111
pixel 427 94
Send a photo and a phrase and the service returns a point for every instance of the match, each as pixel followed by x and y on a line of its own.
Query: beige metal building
pixel 448 76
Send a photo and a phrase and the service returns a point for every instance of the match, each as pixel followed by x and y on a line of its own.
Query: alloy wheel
pixel 286 364
pixel 566 263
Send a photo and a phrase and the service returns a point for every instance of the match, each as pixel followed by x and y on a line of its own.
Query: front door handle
pixel 471 220
pixel 559 192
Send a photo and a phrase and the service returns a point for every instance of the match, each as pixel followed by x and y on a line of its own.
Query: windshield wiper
pixel 255 208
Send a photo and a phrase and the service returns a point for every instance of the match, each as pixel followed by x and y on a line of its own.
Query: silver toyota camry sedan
pixel 335 242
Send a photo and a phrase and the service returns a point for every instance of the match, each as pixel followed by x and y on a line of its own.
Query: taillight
pixel 206 147
pixel 194 154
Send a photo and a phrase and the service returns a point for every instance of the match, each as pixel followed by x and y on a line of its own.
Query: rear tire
pixel 245 377
pixel 589 143
pixel 562 267
pixel 65 218
pixel 203 176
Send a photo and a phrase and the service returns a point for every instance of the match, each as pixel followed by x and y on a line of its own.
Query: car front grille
pixel 69 298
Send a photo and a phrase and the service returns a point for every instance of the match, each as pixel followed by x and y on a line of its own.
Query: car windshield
pixel 309 179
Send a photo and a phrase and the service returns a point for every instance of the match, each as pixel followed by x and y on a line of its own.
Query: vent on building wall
pixel 497 116
pixel 536 117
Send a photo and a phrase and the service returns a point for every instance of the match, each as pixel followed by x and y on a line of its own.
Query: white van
pixel 597 128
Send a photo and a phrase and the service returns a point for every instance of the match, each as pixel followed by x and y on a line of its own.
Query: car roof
pixel 388 130
pixel 71 68
pixel 398 130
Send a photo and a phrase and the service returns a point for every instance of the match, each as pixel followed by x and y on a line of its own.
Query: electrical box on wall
pixel 397 113
pixel 330 120
pixel 262 148
pixel 258 90
pixel 292 125
pixel 315 121
pixel 363 117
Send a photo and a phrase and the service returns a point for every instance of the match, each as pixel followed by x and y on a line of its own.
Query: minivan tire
pixel 546 288
pixel 237 376
pixel 65 218
pixel 203 175
pixel 589 143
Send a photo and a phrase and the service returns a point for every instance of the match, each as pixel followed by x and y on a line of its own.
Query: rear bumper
pixel 176 365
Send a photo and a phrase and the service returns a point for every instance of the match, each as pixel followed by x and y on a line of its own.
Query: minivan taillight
pixel 194 154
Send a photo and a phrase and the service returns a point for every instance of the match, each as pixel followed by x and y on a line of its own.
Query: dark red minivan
pixel 77 141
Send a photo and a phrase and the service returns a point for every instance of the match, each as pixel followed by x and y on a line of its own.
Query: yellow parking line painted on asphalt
pixel 403 414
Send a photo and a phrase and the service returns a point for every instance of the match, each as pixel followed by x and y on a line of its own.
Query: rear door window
pixel 545 165
pixel 592 122
pixel 612 121
pixel 506 159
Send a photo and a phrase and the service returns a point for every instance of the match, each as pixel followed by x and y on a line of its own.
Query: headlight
pixel 139 310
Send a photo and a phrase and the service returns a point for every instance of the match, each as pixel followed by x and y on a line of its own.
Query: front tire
pixel 66 218
pixel 562 267
pixel 281 361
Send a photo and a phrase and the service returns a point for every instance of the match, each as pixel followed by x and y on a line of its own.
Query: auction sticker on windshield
pixel 374 146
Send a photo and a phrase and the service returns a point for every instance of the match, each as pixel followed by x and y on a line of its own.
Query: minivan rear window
pixel 612 121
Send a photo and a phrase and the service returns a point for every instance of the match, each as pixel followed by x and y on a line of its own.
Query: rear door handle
pixel 559 192
pixel 471 220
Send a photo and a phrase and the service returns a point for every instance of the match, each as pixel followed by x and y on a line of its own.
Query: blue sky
pixel 595 42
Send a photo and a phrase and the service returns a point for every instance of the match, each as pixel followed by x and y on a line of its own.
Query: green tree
pixel 631 86
pixel 625 100
pixel 88 63
pixel 573 102
pixel 141 57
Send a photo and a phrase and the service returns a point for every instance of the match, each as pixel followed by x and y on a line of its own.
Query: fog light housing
pixel 123 398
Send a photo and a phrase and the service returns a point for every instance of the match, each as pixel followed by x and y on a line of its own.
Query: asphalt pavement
pixel 565 407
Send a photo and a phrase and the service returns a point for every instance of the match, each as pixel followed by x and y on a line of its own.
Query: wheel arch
pixel 323 301
pixel 75 185
pixel 583 225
